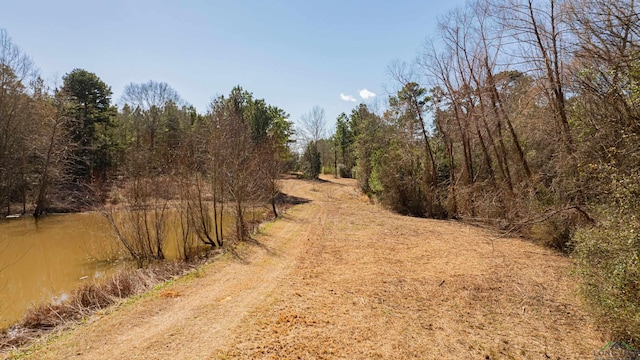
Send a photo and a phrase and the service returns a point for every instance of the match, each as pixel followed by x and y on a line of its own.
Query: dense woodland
pixel 521 114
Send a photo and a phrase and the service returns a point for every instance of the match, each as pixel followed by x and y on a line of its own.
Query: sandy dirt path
pixel 341 278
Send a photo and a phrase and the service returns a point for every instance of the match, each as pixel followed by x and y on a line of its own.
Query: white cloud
pixel 347 97
pixel 366 94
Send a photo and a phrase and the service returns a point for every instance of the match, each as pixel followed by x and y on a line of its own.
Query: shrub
pixel 608 260
pixel 312 164
pixel 557 231
pixel 328 170
pixel 608 257
pixel 398 176
pixel 343 171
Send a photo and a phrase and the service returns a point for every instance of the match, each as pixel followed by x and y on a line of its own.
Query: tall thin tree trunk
pixel 498 100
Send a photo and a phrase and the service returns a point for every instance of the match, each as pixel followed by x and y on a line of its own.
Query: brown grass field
pixel 340 278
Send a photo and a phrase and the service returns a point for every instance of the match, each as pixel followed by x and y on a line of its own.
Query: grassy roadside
pixel 47 322
pixel 344 278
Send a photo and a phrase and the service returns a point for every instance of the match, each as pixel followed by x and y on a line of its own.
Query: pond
pixel 44 260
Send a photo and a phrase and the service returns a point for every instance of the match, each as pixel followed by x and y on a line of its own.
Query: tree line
pixel 155 158
pixel 520 113
pixel 524 114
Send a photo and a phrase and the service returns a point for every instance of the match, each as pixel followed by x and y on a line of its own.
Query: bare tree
pixel 312 130
pixel 605 71
pixel 313 124
pixel 150 100
pixel 141 222
pixel 16 73
pixel 51 148
pixel 540 30
pixel 234 155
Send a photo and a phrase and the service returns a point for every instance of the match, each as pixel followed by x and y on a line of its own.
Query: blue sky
pixel 294 54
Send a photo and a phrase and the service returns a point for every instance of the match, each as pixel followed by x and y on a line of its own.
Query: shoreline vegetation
pixel 125 285
pixel 315 287
pixel 42 320
pixel 520 114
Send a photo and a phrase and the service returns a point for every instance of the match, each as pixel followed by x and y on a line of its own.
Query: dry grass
pixel 378 285
pixel 88 299
pixel 343 278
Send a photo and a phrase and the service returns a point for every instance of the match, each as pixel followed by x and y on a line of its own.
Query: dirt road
pixel 341 278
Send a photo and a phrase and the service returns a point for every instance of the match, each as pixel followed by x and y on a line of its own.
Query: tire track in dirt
pixel 341 278
pixel 377 285
pixel 195 319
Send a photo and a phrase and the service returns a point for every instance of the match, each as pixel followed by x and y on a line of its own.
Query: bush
pixel 311 161
pixel 343 171
pixel 398 177
pixel 557 231
pixel 328 170
pixel 608 260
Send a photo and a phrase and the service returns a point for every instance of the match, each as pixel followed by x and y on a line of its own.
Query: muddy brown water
pixel 44 260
